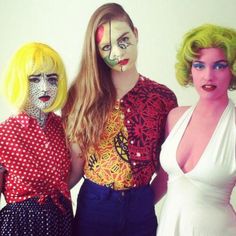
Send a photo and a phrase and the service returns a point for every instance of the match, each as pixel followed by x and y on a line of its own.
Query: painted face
pixel 42 90
pixel 117 45
pixel 211 73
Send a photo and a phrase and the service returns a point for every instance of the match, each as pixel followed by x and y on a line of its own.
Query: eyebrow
pixel 48 75
pixel 224 61
pixel 122 35
pixel 219 61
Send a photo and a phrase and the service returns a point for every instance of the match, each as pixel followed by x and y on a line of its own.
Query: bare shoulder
pixel 177 112
pixel 173 116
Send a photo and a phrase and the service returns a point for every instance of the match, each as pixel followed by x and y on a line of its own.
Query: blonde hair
pixel 33 58
pixel 205 36
pixel 92 94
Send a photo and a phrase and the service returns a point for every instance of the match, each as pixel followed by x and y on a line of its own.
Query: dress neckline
pixel 189 113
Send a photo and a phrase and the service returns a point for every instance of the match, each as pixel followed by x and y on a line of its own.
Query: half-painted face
pixel 42 90
pixel 211 73
pixel 117 45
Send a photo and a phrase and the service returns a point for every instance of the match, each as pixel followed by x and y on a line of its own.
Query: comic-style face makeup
pixel 211 73
pixel 117 45
pixel 42 90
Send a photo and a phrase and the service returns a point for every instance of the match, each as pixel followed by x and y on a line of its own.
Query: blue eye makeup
pixel 34 78
pixel 220 65
pixel 198 65
pixel 51 78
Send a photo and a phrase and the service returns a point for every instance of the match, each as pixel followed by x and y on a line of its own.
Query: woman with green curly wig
pixel 199 154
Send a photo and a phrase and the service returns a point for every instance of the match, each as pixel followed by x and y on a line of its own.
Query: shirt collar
pixel 25 120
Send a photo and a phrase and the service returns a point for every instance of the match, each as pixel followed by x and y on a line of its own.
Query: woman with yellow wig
pixel 33 151
pixel 199 152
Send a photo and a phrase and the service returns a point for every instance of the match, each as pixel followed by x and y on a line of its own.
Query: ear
pixel 136 33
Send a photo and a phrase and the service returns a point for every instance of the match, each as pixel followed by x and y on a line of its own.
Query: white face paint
pixel 117 45
pixel 42 90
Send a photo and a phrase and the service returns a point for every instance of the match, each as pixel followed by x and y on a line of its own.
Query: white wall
pixel 62 23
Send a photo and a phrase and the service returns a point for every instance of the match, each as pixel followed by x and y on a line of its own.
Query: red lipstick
pixel 44 98
pixel 209 87
pixel 123 62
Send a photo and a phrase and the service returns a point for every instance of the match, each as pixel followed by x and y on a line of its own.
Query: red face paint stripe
pixel 99 33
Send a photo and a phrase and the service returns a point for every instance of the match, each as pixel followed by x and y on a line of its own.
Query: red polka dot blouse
pixel 36 160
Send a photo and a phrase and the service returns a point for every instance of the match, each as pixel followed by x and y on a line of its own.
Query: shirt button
pixel 138 154
pixel 128 121
pixel 128 110
pixel 122 193
pixel 121 100
pixel 132 142
pixel 134 163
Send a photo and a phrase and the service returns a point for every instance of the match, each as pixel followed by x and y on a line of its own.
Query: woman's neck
pixel 38 114
pixel 206 106
pixel 124 81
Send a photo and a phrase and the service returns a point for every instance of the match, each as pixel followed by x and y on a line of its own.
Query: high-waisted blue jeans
pixel 102 211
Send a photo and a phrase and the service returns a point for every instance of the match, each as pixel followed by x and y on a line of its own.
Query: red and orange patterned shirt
pixel 128 154
pixel 36 160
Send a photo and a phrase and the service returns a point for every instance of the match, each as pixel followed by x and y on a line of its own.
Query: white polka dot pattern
pixel 36 161
pixel 33 219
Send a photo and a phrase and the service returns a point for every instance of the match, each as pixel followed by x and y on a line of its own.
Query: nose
pixel 116 53
pixel 208 74
pixel 44 83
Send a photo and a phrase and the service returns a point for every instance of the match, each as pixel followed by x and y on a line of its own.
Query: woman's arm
pixel 159 185
pixel 77 165
pixel 2 170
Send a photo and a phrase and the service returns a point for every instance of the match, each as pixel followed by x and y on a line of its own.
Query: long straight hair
pixel 92 94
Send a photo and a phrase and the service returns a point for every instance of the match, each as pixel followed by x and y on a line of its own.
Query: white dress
pixel 197 203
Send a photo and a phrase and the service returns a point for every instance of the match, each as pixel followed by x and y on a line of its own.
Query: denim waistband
pixel 96 188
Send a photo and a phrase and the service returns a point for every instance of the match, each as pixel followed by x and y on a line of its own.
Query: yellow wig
pixel 33 58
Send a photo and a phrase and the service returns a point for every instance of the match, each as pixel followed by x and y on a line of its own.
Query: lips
pixel 209 87
pixel 123 62
pixel 44 98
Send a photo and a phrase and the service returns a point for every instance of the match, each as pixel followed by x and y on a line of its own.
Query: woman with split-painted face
pixel 199 152
pixel 34 158
pixel 115 121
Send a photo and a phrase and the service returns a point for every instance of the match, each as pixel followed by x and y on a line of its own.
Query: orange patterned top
pixel 108 164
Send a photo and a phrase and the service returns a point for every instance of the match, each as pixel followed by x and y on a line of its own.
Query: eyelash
pixel 198 66
pixel 106 48
pixel 34 80
pixel 217 66
pixel 52 80
pixel 125 39
pixel 123 44
pixel 220 66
